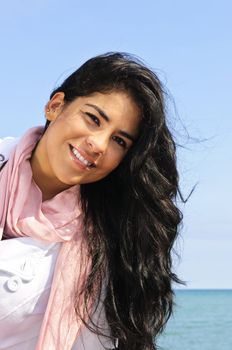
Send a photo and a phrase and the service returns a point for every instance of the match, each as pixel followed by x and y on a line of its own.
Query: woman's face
pixel 86 139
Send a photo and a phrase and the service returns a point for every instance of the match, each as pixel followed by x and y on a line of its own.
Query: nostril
pixel 97 144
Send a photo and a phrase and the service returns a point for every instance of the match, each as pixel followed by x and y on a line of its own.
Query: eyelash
pixel 96 120
pixel 120 141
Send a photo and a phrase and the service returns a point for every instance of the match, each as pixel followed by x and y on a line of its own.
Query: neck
pixel 49 186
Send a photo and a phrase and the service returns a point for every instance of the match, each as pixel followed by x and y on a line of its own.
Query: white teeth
pixel 79 157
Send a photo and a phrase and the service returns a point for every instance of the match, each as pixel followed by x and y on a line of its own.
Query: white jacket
pixel 26 271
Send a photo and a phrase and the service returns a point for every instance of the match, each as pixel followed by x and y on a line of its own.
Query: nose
pixel 98 143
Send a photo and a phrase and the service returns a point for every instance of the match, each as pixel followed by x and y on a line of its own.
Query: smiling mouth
pixel 83 160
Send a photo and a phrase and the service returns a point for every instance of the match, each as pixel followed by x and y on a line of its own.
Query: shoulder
pixel 7 144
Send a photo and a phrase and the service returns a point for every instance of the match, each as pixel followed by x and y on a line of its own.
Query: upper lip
pixel 85 155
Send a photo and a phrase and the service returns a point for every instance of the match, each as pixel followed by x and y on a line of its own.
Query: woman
pixel 101 179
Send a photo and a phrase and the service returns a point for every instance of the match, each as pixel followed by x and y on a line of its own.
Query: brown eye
pixel 93 118
pixel 120 141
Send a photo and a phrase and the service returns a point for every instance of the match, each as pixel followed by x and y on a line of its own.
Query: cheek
pixel 66 126
pixel 74 125
pixel 113 159
pixel 53 138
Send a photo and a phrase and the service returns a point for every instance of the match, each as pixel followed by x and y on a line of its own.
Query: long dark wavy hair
pixel 130 217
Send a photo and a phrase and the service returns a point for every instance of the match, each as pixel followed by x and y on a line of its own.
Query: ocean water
pixel 202 320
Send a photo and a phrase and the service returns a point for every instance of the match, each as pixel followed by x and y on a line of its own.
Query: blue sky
pixel 188 43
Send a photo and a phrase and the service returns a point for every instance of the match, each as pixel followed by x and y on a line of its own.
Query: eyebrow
pixel 105 116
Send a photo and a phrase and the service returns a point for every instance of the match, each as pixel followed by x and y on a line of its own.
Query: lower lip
pixel 78 162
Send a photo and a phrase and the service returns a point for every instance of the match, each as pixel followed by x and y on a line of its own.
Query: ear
pixel 54 106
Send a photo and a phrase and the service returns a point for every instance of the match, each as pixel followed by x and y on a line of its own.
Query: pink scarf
pixel 22 213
